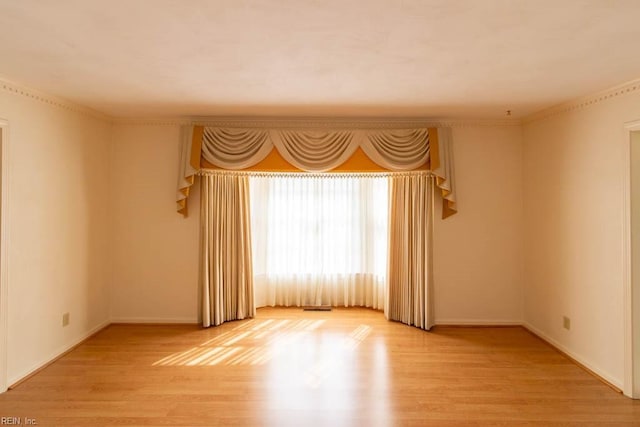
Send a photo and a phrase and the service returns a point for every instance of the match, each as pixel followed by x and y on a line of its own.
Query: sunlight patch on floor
pixel 253 342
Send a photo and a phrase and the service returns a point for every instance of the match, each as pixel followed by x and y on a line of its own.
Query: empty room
pixel 319 213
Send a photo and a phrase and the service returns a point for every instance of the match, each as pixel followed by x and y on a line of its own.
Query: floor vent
pixel 317 308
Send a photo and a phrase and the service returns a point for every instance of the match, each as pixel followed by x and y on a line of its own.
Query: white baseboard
pixel 158 320
pixel 57 353
pixel 616 382
pixel 478 322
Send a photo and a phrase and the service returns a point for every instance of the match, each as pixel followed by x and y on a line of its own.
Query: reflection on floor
pixel 287 367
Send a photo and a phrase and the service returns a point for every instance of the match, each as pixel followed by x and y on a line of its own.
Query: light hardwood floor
pixel 286 367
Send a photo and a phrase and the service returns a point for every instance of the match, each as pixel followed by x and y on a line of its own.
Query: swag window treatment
pixel 227 267
pixel 318 150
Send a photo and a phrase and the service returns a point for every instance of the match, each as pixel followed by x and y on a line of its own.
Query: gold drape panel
pixel 319 150
pixel 410 272
pixel 226 274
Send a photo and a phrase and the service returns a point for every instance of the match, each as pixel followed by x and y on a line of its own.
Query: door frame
pixel 628 289
pixel 4 250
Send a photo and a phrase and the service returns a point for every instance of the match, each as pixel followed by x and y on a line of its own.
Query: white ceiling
pixel 410 58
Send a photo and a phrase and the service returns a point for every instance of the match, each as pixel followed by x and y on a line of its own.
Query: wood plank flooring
pixel 287 367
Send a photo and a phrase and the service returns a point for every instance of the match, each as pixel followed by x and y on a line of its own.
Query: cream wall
pixel 573 180
pixel 155 260
pixel 58 210
pixel 478 262
pixel 478 258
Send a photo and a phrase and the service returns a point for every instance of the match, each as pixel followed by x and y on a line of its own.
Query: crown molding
pixel 27 92
pixel 586 101
pixel 152 121
pixel 347 123
pixel 315 123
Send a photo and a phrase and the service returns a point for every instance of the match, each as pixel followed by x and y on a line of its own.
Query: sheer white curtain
pixel 319 240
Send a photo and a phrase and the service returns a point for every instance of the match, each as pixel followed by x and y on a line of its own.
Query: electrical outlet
pixel 65 319
pixel 566 322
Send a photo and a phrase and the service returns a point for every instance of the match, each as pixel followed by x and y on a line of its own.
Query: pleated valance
pixel 317 150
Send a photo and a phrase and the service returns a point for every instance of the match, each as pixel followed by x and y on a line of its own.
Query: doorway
pixel 631 261
pixel 4 286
